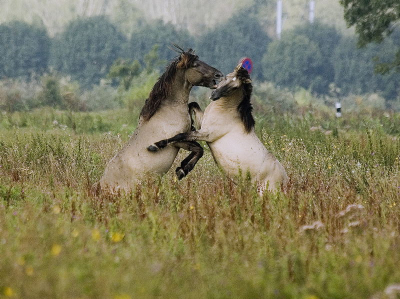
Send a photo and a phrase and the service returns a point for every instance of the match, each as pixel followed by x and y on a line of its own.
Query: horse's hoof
pixel 180 173
pixel 152 148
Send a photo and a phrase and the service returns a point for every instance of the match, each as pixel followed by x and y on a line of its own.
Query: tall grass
pixel 334 234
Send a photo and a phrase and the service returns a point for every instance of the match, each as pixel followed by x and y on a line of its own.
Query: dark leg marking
pixel 190 161
pixel 163 143
pixel 180 172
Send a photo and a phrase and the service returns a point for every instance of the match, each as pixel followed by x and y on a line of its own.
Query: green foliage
pixel 354 69
pixel 241 36
pixel 24 50
pixel 51 93
pixel 11 99
pixel 334 234
pixel 152 60
pixel 18 94
pixel 49 120
pixel 124 72
pixel 58 96
pixel 11 194
pixel 294 61
pixel 268 99
pixel 86 49
pixel 157 33
pixel 327 39
pixel 374 21
pixel 135 98
pixel 101 97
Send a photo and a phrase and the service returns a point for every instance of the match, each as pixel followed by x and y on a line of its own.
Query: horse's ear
pixel 238 67
pixel 183 61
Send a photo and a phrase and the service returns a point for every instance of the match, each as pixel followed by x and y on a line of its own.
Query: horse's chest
pixel 233 152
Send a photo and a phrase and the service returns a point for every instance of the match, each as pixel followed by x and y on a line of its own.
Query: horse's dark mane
pixel 162 89
pixel 245 107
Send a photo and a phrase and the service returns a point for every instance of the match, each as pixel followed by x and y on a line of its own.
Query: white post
pixel 312 11
pixel 279 19
pixel 338 107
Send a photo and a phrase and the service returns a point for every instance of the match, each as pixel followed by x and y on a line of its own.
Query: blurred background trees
pixel 374 21
pixel 110 43
pixel 241 35
pixel 24 50
pixel 158 33
pixel 86 49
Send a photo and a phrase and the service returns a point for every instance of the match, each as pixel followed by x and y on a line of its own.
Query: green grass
pixel 202 237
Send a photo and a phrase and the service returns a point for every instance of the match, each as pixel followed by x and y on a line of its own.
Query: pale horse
pixel 164 114
pixel 227 125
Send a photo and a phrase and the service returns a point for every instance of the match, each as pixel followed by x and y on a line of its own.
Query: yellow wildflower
pixel 8 292
pixel 96 235
pixel 56 209
pixel 117 237
pixel 21 261
pixel 55 249
pixel 29 271
pixel 75 233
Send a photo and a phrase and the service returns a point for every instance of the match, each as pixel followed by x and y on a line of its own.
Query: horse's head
pixel 197 72
pixel 237 87
pixel 233 82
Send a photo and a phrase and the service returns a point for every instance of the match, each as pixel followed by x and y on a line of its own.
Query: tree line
pixel 314 56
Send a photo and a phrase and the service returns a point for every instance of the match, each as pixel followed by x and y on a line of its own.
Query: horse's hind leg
pixel 190 161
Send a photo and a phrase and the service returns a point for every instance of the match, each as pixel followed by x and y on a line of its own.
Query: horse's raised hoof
pixel 180 173
pixel 152 148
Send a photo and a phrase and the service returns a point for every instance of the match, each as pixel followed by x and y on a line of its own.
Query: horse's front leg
pixel 190 161
pixel 188 136
pixel 196 115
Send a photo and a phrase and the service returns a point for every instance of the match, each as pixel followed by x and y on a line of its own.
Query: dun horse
pixel 164 114
pixel 227 125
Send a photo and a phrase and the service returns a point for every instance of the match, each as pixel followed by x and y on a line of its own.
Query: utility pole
pixel 311 15
pixel 279 19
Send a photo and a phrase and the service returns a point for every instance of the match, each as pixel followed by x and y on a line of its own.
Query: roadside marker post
pixel 247 63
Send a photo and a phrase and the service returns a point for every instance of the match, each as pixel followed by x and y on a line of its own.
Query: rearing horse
pixel 227 125
pixel 164 114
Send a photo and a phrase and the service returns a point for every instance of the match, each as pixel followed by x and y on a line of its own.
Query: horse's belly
pixel 233 155
pixel 131 166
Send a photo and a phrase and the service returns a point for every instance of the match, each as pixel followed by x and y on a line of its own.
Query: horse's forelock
pixel 243 74
pixel 186 59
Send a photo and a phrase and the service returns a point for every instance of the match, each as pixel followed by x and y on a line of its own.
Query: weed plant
pixel 333 234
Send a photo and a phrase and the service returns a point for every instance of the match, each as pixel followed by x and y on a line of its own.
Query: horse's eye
pixel 195 64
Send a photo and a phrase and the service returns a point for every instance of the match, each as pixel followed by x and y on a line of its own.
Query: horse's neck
pixel 221 114
pixel 180 90
pixel 229 105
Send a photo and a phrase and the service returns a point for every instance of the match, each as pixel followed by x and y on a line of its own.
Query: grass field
pixel 335 234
